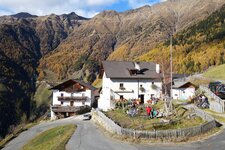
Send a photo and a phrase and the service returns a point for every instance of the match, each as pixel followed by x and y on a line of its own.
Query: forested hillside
pixel 197 47
pixel 24 39
pixel 122 36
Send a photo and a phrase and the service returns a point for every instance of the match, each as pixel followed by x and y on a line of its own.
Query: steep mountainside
pixel 18 56
pixel 24 39
pixel 122 36
pixel 197 47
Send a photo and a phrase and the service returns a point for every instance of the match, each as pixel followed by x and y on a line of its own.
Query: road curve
pixel 86 137
pixel 89 137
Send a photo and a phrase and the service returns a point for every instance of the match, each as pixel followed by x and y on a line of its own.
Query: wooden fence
pixel 112 127
pixel 217 104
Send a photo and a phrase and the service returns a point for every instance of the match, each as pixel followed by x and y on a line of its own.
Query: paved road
pixel 89 137
pixel 86 137
pixel 25 136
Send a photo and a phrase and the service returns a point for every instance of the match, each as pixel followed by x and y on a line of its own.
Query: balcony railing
pixel 68 108
pixel 74 98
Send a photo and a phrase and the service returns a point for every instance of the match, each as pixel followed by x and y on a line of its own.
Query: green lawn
pixel 141 122
pixel 52 139
pixel 217 72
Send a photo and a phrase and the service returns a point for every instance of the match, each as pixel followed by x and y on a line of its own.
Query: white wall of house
pixel 57 94
pixel 111 90
pixel 104 101
pixel 183 93
pixel 132 88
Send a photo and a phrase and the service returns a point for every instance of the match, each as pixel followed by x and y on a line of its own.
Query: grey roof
pixel 120 69
pixel 177 76
pixel 181 83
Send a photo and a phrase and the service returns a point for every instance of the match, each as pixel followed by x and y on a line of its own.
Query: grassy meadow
pixel 217 72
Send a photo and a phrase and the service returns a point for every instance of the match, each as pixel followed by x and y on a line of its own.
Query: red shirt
pixel 148 109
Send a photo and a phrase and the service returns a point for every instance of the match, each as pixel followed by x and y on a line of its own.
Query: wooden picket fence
pixel 111 126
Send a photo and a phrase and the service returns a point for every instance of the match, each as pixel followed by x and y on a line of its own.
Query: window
pixel 121 97
pixel 61 103
pixel 142 89
pixel 83 94
pixel 61 94
pixel 71 103
pixel 121 86
pixel 153 83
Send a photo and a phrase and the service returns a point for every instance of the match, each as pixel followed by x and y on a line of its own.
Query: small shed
pixel 183 90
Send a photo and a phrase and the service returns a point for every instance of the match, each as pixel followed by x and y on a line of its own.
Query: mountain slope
pixel 24 39
pixel 197 47
pixel 122 36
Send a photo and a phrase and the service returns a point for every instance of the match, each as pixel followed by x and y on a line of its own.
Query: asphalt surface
pixel 89 137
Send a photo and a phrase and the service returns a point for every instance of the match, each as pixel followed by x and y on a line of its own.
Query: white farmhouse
pixel 183 90
pixel 71 97
pixel 128 80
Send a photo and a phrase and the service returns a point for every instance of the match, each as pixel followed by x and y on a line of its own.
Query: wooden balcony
pixel 76 98
pixel 69 108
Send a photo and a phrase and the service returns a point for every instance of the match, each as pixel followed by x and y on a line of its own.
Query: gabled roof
pixel 71 82
pixel 182 84
pixel 178 76
pixel 124 69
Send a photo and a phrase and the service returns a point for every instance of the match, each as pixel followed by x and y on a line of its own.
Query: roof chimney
pixel 157 68
pixel 137 66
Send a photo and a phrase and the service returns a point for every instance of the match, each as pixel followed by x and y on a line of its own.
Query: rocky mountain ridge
pixel 123 36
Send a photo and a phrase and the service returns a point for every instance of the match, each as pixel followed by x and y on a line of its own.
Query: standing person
pixel 148 110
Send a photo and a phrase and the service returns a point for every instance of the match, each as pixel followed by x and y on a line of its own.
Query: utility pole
pixel 168 106
pixel 171 73
pixel 171 65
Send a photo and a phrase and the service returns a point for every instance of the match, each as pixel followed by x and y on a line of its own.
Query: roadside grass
pixel 15 133
pixel 219 118
pixel 55 139
pixel 216 115
pixel 141 122
pixel 217 72
pixel 213 112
